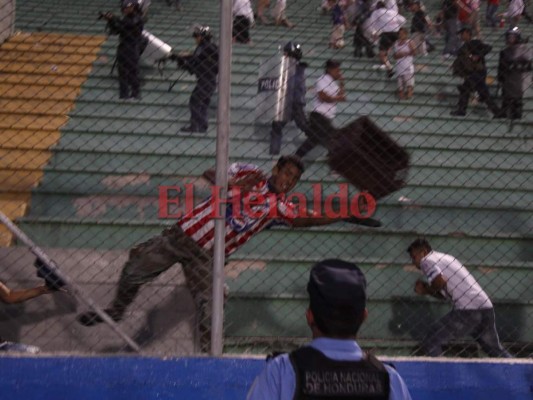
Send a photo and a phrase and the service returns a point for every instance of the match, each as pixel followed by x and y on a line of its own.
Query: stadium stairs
pixel 97 175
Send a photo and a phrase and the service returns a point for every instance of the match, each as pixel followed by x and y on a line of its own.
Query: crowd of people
pixel 380 24
pixel 190 240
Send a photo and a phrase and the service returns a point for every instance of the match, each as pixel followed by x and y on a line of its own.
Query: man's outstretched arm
pixel 18 296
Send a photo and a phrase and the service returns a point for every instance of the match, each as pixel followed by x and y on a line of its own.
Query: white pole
pixel 223 126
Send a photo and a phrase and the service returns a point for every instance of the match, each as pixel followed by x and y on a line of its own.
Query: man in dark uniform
pixel 297 90
pixel 129 29
pixel 470 65
pixel 332 366
pixel 514 73
pixel 204 64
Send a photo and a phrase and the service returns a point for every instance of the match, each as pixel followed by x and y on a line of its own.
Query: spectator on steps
pixel 404 50
pixel 385 24
pixel 243 19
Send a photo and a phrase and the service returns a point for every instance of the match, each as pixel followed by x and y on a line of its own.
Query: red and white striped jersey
pixel 246 214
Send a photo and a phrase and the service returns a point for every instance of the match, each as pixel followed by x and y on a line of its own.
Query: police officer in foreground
pixel 129 28
pixel 514 73
pixel 204 64
pixel 332 366
pixel 297 90
pixel 470 65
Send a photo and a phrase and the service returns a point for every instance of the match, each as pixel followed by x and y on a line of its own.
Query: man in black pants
pixel 204 64
pixel 129 29
pixel 470 65
pixel 329 90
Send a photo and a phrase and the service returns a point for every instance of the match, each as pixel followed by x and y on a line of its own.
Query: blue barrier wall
pixel 131 378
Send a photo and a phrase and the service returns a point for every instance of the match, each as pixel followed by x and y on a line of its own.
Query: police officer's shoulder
pixel 274 354
pixel 375 362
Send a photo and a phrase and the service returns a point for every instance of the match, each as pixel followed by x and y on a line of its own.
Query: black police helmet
pixel 129 3
pixel 293 50
pixel 515 31
pixel 203 32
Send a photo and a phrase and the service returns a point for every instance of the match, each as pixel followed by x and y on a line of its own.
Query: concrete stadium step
pixel 469 129
pixel 106 141
pixel 28 139
pixel 403 321
pixel 21 67
pixel 45 56
pixel 19 180
pixel 39 107
pixel 173 159
pixel 161 319
pixel 45 79
pixel 146 183
pixel 449 197
pixel 40 92
pixel 386 281
pixel 69 43
pixel 340 240
pixel 404 112
pixel 390 121
pixel 24 159
pixel 451 220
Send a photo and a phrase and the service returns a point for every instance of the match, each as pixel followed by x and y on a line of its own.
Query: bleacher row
pixel 470 186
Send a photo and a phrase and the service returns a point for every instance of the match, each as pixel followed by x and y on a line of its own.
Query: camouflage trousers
pixel 148 260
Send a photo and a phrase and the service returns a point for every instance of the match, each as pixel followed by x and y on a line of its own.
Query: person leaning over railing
pixel 190 240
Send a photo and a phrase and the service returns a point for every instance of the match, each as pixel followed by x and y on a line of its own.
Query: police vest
pixel 515 68
pixel 319 377
pixel 519 58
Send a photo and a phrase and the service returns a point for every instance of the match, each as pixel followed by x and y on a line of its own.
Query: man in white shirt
pixel 329 90
pixel 385 24
pixel 472 313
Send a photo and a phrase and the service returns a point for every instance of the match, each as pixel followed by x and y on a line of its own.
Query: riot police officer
pixel 129 28
pixel 204 64
pixel 470 65
pixel 297 90
pixel 514 73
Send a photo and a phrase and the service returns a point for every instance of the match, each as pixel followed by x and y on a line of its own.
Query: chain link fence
pixel 103 151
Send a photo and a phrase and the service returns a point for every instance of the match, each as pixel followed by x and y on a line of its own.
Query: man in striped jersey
pixel 190 240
